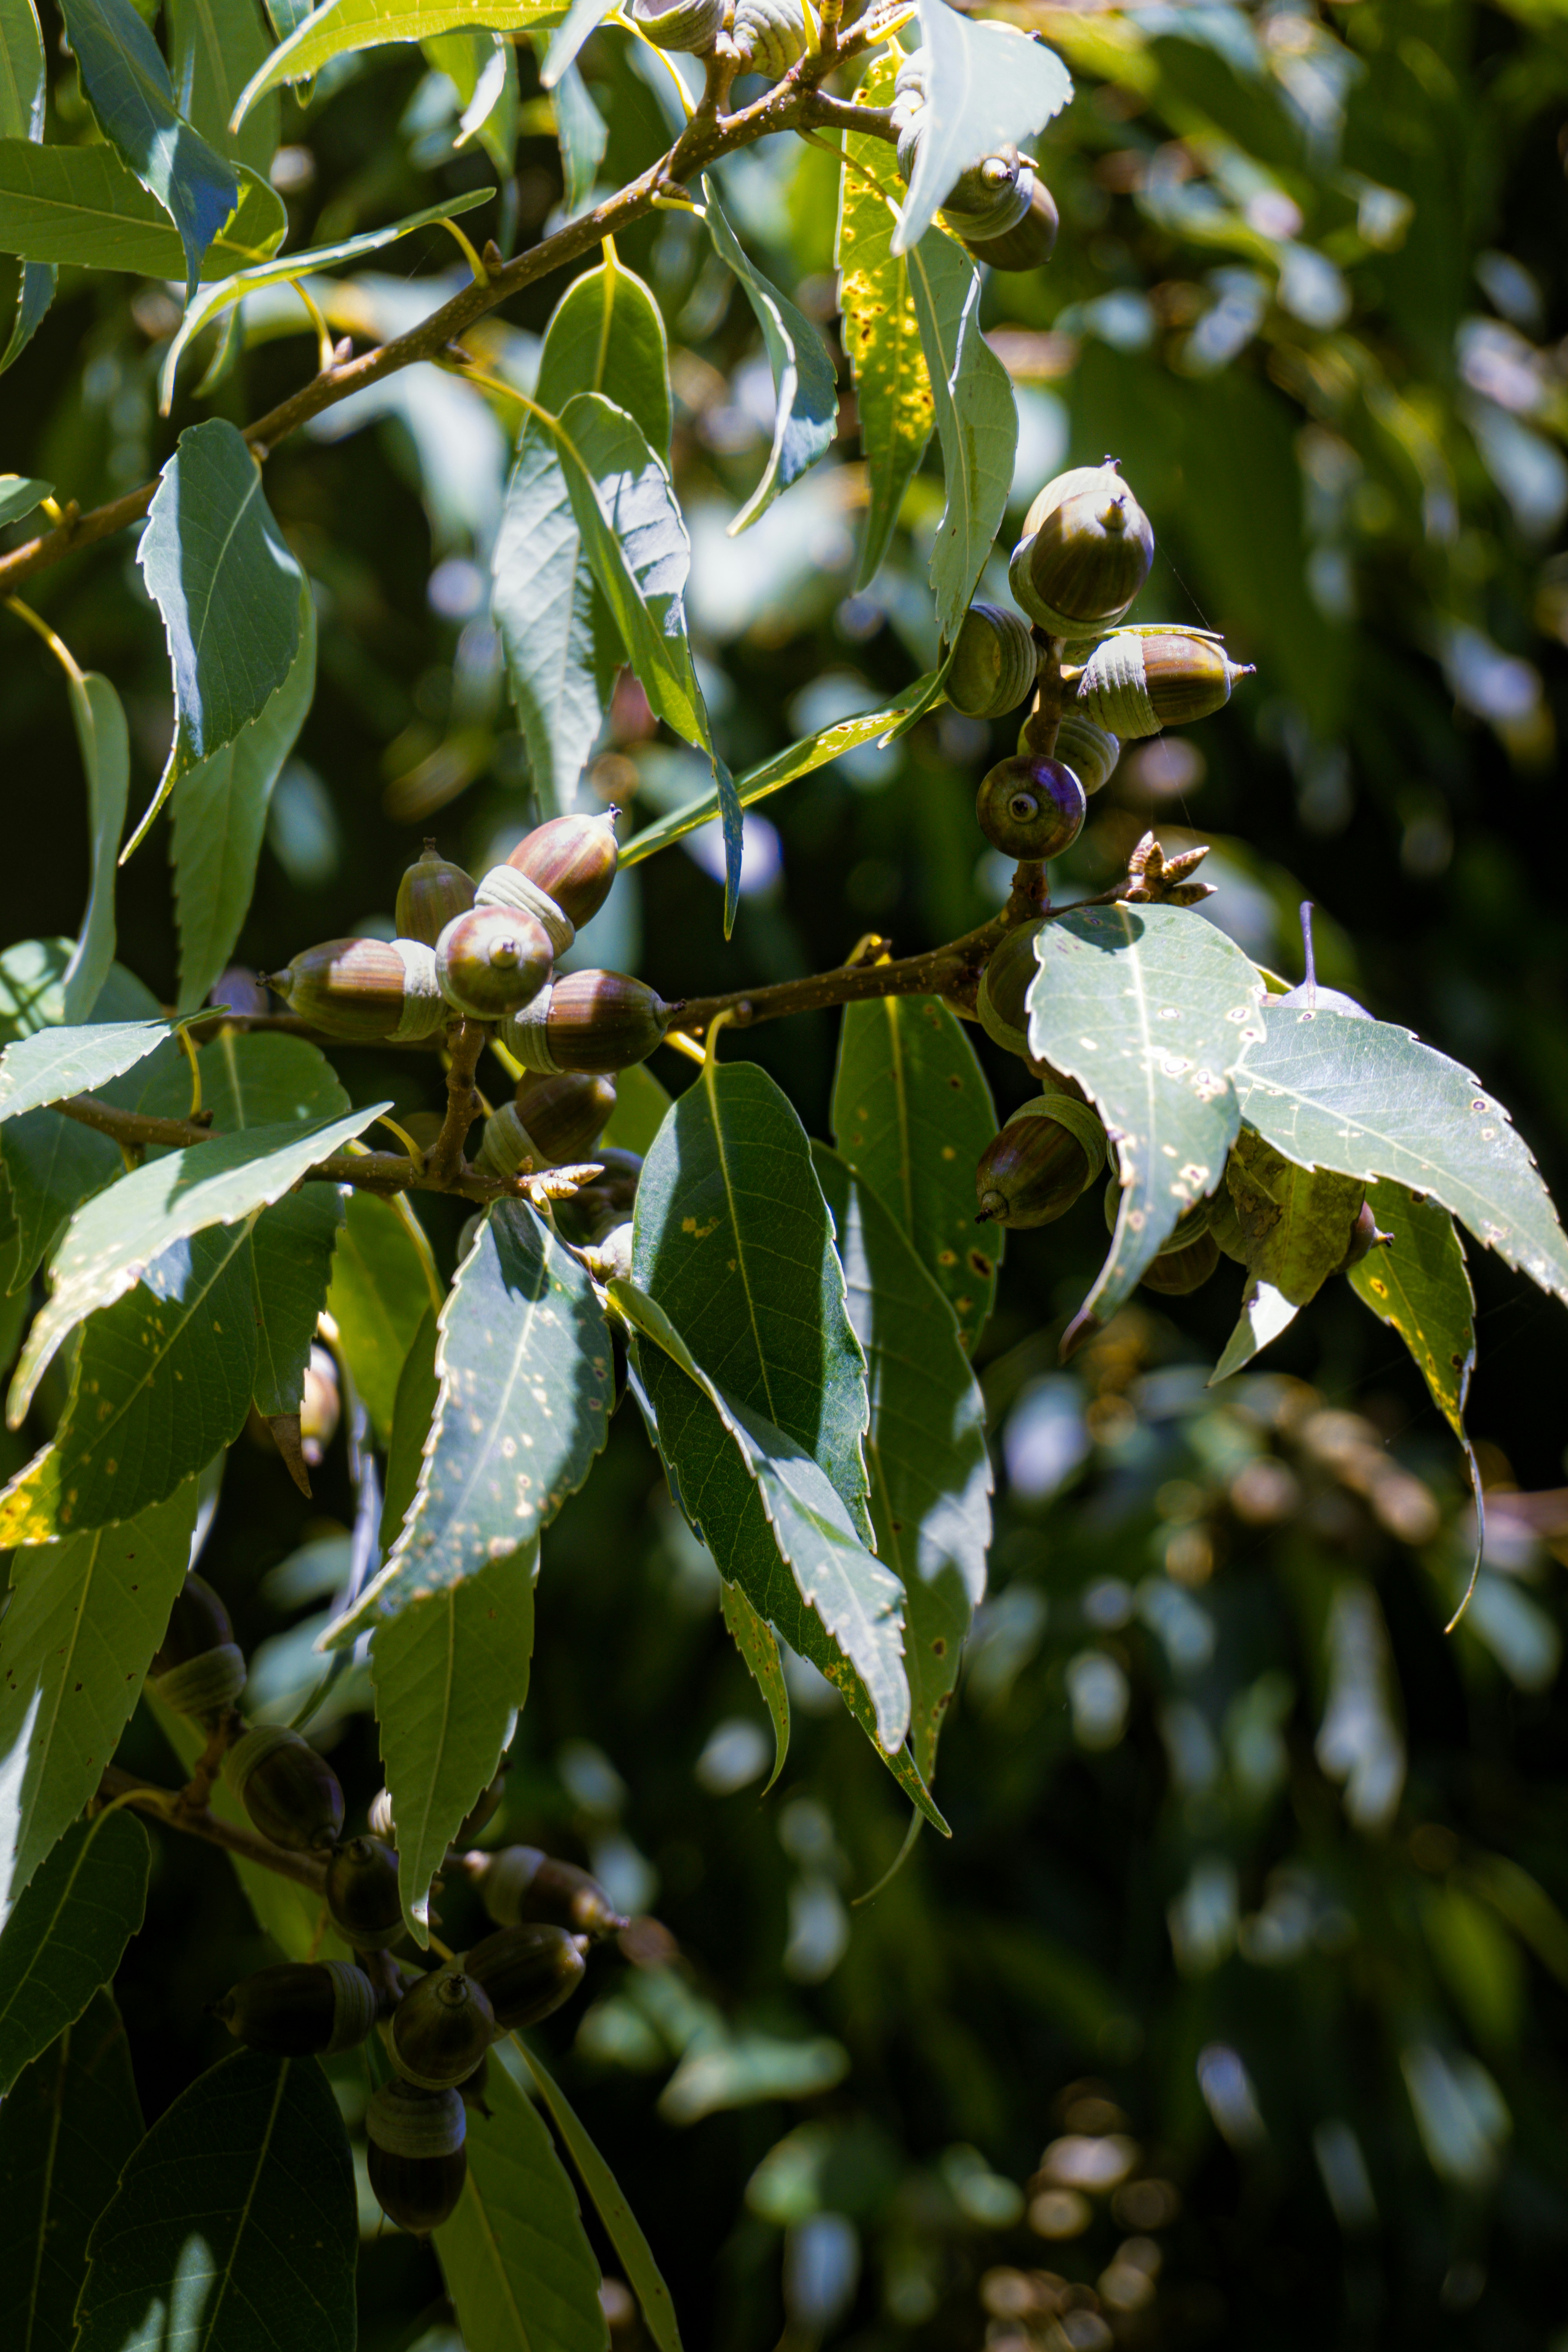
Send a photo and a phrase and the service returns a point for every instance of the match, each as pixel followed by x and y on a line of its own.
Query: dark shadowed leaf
pixel 1420 1286
pixel 384 1282
pixel 215 47
pixel 65 1935
pixel 758 1644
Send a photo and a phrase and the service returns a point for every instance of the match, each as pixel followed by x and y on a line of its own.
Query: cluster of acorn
pixel 999 209
pixel 487 950
pixel 438 2025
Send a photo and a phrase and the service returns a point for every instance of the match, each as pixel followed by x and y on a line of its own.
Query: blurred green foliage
pixel 1234 2012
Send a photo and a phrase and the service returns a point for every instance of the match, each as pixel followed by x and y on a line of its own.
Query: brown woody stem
pixel 197 1821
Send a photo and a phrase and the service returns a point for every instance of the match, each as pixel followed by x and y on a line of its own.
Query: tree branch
pixel 197 1821
pixel 797 100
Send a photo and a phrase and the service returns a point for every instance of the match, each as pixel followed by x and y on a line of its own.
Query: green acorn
pixel 994 663
pixel 1029 242
pixel 1175 1272
pixel 1033 1171
pixel 770 35
pixel 1003 1002
pixel 198 1668
pixel 300 2009
pixel 440 2028
pixel 1085 553
pixel 1030 808
pixel 429 895
pixel 361 1892
pixel 364 989
pixel 1139 680
pixel 526 1972
pixel 415 2154
pixel 690 25
pixel 290 1793
pixel 520 1882
pixel 1089 750
pixel 594 1021
pixel 493 962
pixel 991 198
pixel 1364 1237
pixel 566 1115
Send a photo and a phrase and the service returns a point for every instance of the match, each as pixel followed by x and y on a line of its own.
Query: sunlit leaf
pixel 54 1063
pixel 803 384
pixel 987 87
pixel 339 27
pixel 976 418
pixel 1420 1286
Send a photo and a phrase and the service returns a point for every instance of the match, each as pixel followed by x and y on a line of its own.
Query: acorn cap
pixel 1033 1171
pixel 491 962
pixel 566 1114
pixel 527 1971
pixel 205 1686
pixel 1176 1272
pixel 403 2120
pixel 1029 242
pixel 690 25
pixel 1005 987
pixel 1138 680
pixel 430 893
pixel 299 2009
pixel 1091 750
pixel 994 664
pixel 572 860
pixel 1091 545
pixel 361 1892
pixel 290 1793
pixel 521 1883
pixel 1030 808
pixel 346 988
pixel 440 2028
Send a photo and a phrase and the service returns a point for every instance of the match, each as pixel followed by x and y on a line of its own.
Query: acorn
pixel 520 1882
pixel 1089 750
pixel 1003 1001
pixel 440 2028
pixel 361 1892
pixel 1364 1237
pixel 1139 680
pixel 290 1793
pixel 1030 808
pixel 594 1021
pixel 430 893
pixel 572 860
pixel 199 1668
pixel 769 35
pixel 492 961
pixel 1175 1272
pixel 991 198
pixel 994 663
pixel 364 989
pixel 479 1813
pixel 527 1972
pixel 594 1210
pixel 691 24
pixel 1029 242
pixel 300 2009
pixel 1033 1171
pixel 415 2154
pixel 1085 553
pixel 566 1114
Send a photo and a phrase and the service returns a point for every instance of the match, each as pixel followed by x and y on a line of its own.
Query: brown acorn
pixel 482 1812
pixel 572 860
pixel 1033 1171
pixel 198 1668
pixel 1085 553
pixel 346 988
pixel 1029 242
pixel 1175 1272
pixel 1138 680
pixel 527 1972
pixel 300 2009
pixel 994 663
pixel 1031 808
pixel 596 1021
pixel 440 2028
pixel 520 1882
pixel 415 2154
pixel 491 961
pixel 430 893
pixel 290 1793
pixel 567 1114
pixel 361 1892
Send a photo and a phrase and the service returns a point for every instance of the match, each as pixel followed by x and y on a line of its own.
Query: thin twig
pixel 197 1821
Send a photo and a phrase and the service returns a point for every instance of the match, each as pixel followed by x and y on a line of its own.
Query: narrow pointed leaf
pixel 524 1361
pixel 20 493
pixel 881 332
pixel 111 1242
pixel 35 293
pixel 24 82
pixel 215 47
pixel 383 1281
pixel 1369 1099
pixel 1149 1008
pixel 418 1392
pixel 450 1672
pixel 1266 1312
pixel 339 27
pixel 65 1937
pixel 81 205
pixel 804 386
pixel 976 419
pixel 911 1115
pixel 228 589
pixel 105 743
pixel 67 2127
pixel 584 136
pixel 85 1618
pixel 515 2256
pixel 56 1062
pixel 987 87
pixel 234 2224
pixel 1420 1286
pixel 758 1644
pixel 52 1165
pixel 582 18
pixel 925 1450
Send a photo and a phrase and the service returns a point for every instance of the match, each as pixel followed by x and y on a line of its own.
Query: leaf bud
pixel 596 1021
pixel 770 35
pixel 1033 1171
pixel 1139 680
pixel 379 1816
pixel 1029 242
pixel 594 1210
pixel 415 2154
pixel 290 1793
pixel 520 1882
pixel 300 2009
pixel 1089 750
pixel 1030 808
pixel 527 1972
pixel 994 663
pixel 430 893
pixel 440 2028
pixel 198 1668
pixel 491 961
pixel 690 25
pixel 1175 1272
pixel 1085 553
pixel 364 989
pixel 361 1892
